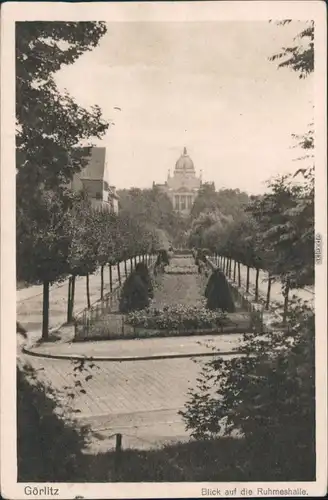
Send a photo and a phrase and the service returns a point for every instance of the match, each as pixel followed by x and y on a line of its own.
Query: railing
pixel 88 317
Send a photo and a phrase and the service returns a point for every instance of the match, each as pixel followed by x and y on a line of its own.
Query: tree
pixel 229 202
pixel 299 57
pixel 285 220
pixel 84 245
pixel 50 125
pixel 50 128
pixel 43 246
pixel 151 208
pixel 207 229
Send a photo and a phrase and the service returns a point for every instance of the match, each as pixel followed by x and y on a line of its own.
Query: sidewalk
pixel 140 349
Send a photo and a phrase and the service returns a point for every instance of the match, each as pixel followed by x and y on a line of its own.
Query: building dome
pixel 185 162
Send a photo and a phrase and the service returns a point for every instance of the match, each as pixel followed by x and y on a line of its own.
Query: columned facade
pixel 183 186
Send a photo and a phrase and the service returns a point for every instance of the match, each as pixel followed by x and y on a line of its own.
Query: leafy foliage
pixel 136 291
pixel 218 293
pixel 49 448
pixel 299 57
pixel 151 208
pixel 268 395
pixel 83 254
pixel 178 317
pixel 229 202
pixel 42 240
pixel 285 219
pixel 50 125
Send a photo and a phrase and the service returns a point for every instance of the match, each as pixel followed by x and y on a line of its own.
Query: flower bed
pixel 184 252
pixel 181 270
pixel 178 318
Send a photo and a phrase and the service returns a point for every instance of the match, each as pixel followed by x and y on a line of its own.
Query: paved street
pixel 140 399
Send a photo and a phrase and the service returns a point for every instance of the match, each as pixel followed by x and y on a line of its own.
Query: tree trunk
pixel 286 295
pixel 69 295
pixel 247 280
pixel 45 311
pixel 125 269
pixel 135 260
pixel 257 285
pixel 110 278
pixel 267 303
pixel 119 273
pixel 102 282
pixel 88 291
pixel 71 313
pixel 239 277
pixel 230 262
pixel 234 270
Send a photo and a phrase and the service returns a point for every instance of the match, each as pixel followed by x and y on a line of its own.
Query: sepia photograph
pixel 167 269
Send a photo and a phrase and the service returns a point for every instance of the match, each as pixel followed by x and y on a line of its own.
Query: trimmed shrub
pixel 218 293
pixel 137 290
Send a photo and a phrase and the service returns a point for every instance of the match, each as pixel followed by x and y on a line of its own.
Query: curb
pixel 128 358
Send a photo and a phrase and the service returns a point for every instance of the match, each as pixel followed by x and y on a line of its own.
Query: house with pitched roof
pixel 93 178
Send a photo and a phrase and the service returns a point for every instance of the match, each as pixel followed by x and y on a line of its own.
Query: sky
pixel 208 86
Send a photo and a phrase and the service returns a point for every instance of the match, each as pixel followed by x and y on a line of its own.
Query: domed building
pixel 183 186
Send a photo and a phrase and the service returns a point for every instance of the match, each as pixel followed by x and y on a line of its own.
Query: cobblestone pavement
pixel 139 399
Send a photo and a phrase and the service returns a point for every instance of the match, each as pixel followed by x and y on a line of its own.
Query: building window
pixel 183 202
pixel 98 196
pixel 177 203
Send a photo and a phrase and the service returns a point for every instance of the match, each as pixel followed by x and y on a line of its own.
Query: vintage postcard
pixel 163 249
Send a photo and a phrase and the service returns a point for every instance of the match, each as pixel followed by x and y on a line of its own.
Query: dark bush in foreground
pixel 268 395
pixel 48 448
